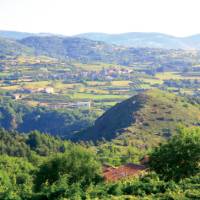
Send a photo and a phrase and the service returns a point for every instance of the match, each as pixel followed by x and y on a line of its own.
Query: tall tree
pixel 179 157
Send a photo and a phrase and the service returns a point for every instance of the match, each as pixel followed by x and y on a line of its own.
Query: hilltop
pixel 71 48
pixel 12 48
pixel 17 35
pixel 130 39
pixel 153 114
pixel 149 39
pixel 75 49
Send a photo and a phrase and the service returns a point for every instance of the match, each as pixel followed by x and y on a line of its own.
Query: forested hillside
pixel 86 51
pixel 74 49
pixel 37 167
pixel 62 122
pixel 12 48
pixel 152 112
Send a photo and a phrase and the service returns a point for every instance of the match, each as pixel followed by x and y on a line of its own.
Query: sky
pixel 70 17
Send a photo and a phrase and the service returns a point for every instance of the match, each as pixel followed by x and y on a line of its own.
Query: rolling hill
pixel 143 40
pixel 71 48
pixel 16 35
pixel 131 39
pixel 74 49
pixel 148 115
pixel 13 48
pixel 88 51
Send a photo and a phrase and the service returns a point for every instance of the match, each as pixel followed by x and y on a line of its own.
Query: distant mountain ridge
pixel 131 39
pixel 87 51
pixel 143 40
pixel 70 48
pixel 12 47
pixel 76 49
pixel 16 35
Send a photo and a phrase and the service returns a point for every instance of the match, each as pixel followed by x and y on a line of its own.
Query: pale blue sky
pixel 68 17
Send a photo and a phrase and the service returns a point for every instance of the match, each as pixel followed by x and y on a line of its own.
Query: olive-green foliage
pixel 13 144
pixel 145 119
pixel 78 164
pixel 28 145
pixel 13 48
pixel 76 173
pixel 119 152
pixel 89 51
pixel 16 178
pixel 23 118
pixel 151 187
pixel 44 144
pixel 179 157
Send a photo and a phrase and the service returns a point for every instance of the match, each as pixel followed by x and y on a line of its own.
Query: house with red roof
pixel 124 171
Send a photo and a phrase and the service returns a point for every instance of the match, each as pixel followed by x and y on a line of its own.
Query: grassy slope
pixel 144 118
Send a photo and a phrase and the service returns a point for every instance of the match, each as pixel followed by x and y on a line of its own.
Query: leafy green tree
pixel 179 157
pixel 78 164
pixel 34 140
pixel 16 178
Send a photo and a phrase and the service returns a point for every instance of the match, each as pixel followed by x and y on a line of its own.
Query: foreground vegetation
pixel 48 85
pixel 38 166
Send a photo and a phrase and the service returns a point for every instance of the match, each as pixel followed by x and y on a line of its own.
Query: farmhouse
pixel 49 90
pixel 16 96
pixel 123 171
pixel 79 104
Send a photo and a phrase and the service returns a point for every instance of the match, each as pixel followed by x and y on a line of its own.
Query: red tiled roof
pixel 121 172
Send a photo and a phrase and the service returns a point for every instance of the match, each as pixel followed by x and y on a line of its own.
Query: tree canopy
pixel 179 157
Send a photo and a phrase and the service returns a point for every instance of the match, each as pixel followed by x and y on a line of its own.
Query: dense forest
pixel 37 166
pixel 62 122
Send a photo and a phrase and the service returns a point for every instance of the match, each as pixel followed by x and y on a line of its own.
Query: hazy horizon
pixel 57 34
pixel 171 17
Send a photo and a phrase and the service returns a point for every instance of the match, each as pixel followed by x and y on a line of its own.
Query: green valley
pixel 86 119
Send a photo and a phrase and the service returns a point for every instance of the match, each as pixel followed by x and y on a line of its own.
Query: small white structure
pixel 49 90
